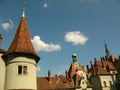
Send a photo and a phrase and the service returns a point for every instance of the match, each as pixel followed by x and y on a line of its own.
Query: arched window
pixel 110 83
pixel 105 85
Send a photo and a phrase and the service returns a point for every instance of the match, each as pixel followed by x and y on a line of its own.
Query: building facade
pixel 18 63
pixel 103 73
pixel 18 68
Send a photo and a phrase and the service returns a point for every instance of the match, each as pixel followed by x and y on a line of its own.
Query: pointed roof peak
pixel 106 48
pixel 21 42
pixel 23 13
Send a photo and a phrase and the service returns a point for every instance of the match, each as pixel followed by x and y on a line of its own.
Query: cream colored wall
pixel 97 81
pixel 2 73
pixel 107 79
pixel 82 73
pixel 83 86
pixel 15 81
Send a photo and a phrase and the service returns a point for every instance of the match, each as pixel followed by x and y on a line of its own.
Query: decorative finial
pixel 74 55
pixel 106 48
pixel 23 11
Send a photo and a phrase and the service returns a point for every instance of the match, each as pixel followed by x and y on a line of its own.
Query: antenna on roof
pixel 23 11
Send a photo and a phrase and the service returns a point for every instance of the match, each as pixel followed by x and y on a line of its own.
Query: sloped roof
pixel 101 70
pixel 106 62
pixel 73 68
pixel 101 67
pixel 22 42
pixel 55 83
pixel 77 79
pixel 117 65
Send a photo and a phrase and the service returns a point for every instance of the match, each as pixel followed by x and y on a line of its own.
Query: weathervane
pixel 24 6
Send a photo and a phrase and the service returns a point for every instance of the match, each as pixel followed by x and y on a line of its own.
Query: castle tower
pixel 21 60
pixel 76 67
pixel 2 67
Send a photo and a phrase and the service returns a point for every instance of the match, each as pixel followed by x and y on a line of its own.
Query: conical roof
pixel 22 42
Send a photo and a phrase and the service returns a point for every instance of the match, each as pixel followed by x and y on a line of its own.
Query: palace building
pixel 18 68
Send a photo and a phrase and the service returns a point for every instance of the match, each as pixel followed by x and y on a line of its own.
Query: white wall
pixel 2 73
pixel 16 81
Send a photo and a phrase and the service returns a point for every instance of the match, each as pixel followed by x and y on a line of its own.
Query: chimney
pixel 102 62
pixel 0 39
pixel 66 73
pixel 49 76
pixel 119 56
pixel 91 64
pixel 112 58
pixel 108 68
pixel 95 60
pixel 87 68
pixel 92 67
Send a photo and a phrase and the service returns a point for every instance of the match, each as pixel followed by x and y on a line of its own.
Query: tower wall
pixel 2 73
pixel 16 80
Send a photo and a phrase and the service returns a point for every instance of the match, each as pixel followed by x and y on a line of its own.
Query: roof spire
pixel 106 49
pixel 23 11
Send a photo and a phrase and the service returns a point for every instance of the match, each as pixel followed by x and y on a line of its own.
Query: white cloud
pixel 45 5
pixel 38 68
pixel 7 25
pixel 40 45
pixel 76 38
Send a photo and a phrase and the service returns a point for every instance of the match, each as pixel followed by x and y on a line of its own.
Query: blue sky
pixel 59 28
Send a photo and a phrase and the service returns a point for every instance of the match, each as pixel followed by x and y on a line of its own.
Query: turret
pixel 21 60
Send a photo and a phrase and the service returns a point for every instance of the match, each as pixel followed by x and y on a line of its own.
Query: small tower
pixel 21 60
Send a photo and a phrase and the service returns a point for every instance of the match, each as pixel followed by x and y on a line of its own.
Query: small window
pixel 24 69
pixel 82 82
pixel 105 85
pixel 19 69
pixel 110 83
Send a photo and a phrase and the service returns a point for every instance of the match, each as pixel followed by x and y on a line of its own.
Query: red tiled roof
pixel 73 69
pixel 101 70
pixel 106 62
pixel 102 67
pixel 55 83
pixel 117 64
pixel 22 42
pixel 77 79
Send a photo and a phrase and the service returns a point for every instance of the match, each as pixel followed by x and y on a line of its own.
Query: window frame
pixel 22 70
